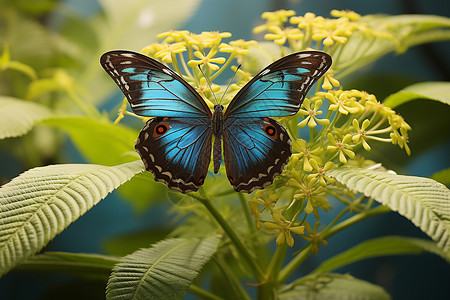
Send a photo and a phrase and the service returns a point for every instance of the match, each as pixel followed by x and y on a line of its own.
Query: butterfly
pixel 176 144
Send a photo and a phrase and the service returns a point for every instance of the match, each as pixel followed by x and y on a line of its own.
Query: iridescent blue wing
pixel 153 89
pixel 177 151
pixel 255 151
pixel 279 89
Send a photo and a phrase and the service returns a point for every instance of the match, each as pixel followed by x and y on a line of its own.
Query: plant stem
pixel 193 289
pixel 230 276
pixel 257 272
pixel 355 219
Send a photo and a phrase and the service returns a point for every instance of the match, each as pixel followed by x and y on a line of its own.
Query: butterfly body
pixel 176 145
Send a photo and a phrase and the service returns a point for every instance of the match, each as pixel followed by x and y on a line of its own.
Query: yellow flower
pixel 209 60
pixel 312 191
pixel 321 172
pixel 401 138
pixel 237 47
pixel 348 14
pixel 329 81
pixel 285 229
pixel 276 18
pixel 266 199
pixel 311 120
pixel 344 102
pixel 173 35
pixel 302 151
pixel 168 50
pixel 361 133
pixel 332 31
pixel 309 19
pixel 280 36
pixel 343 147
pixel 212 38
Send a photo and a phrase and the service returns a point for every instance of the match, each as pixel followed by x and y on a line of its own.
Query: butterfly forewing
pixel 279 89
pixel 151 88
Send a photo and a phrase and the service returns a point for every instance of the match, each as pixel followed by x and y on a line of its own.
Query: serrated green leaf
pixel 98 141
pixel 333 286
pixel 437 90
pixel 42 202
pixel 390 245
pixel 425 202
pixel 94 266
pixel 164 271
pixel 17 117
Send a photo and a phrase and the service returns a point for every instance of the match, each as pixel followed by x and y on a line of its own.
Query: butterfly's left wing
pixel 279 89
pixel 255 151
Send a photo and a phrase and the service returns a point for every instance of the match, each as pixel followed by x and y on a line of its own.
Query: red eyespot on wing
pixel 270 130
pixel 201 180
pixel 160 129
pixel 231 179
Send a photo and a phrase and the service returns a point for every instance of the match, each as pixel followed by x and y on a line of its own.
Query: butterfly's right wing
pixel 153 89
pixel 177 151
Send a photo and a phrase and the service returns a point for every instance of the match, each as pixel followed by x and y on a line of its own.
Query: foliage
pixel 332 134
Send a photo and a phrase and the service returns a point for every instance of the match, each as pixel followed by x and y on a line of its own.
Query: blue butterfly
pixel 176 145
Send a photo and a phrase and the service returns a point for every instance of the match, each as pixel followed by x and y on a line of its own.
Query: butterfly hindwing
pixel 279 89
pixel 177 151
pixel 151 88
pixel 255 151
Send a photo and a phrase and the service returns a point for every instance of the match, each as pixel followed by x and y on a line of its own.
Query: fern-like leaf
pixel 333 286
pixel 425 202
pixel 164 271
pixel 42 202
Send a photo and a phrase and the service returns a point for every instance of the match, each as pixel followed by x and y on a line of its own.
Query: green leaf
pixel 425 202
pixel 390 33
pixel 164 271
pixel 442 176
pixel 93 266
pixel 42 202
pixel 333 286
pixel 437 90
pixel 17 117
pixel 98 141
pixel 390 245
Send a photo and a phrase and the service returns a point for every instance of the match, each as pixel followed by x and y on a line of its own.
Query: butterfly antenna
pixel 209 85
pixel 229 83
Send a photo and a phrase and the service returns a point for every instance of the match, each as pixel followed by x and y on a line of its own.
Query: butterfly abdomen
pixel 217 128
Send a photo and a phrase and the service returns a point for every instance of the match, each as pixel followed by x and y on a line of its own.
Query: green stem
pixel 246 210
pixel 89 110
pixel 266 290
pixel 230 276
pixel 355 219
pixel 193 289
pixel 257 272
